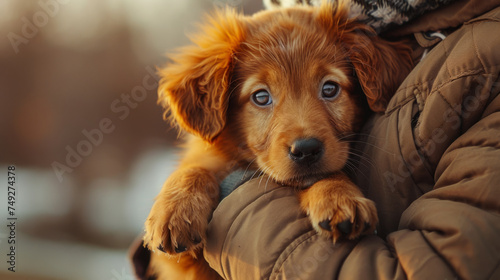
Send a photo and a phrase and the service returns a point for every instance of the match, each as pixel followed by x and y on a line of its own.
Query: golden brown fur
pixel 292 55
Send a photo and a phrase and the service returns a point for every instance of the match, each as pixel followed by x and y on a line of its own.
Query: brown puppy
pixel 284 92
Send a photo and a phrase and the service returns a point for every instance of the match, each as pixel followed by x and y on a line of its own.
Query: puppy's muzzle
pixel 306 151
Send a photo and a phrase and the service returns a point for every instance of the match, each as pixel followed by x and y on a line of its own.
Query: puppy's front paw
pixel 178 220
pixel 337 208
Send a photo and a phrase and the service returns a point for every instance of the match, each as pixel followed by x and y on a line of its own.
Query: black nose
pixel 306 151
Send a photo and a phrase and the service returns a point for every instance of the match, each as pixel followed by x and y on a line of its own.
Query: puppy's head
pixel 289 84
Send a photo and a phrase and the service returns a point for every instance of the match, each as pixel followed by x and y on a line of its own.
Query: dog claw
pixel 160 247
pixel 367 226
pixel 180 248
pixel 345 227
pixel 197 239
pixel 325 225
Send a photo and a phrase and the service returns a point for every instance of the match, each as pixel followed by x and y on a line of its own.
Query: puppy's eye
pixel 262 98
pixel 330 90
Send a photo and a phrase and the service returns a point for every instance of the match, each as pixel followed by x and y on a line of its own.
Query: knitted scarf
pixel 380 14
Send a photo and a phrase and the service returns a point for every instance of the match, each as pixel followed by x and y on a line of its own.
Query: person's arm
pixel 450 232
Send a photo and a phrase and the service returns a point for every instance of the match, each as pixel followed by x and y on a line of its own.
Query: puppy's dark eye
pixel 330 90
pixel 262 98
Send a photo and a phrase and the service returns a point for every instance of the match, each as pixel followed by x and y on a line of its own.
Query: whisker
pixel 361 135
pixel 248 166
pixel 261 175
pixel 350 167
pixel 268 177
pixel 347 135
pixel 353 165
pixel 372 145
pixel 255 172
pixel 371 136
pixel 358 164
pixel 362 157
pixel 355 171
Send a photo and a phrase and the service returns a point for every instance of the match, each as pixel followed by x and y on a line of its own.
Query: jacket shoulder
pixel 470 50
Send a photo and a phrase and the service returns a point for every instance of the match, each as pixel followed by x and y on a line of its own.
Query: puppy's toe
pixel 337 209
pixel 179 218
pixel 357 216
pixel 171 235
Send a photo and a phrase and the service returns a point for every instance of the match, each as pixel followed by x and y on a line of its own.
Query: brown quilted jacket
pixel 431 164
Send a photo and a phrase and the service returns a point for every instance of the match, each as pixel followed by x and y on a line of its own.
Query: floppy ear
pixel 194 87
pixel 380 66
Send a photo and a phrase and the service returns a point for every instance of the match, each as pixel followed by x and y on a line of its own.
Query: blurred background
pixel 79 121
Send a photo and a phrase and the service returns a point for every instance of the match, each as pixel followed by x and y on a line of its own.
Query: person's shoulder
pixel 469 52
pixel 483 37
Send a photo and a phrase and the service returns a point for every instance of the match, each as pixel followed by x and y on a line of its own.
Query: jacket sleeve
pixel 460 219
pixel 455 227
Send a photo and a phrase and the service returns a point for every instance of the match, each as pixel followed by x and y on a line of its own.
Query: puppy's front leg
pixel 179 217
pixel 337 208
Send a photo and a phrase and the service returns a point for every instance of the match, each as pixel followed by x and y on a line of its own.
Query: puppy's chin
pixel 305 181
